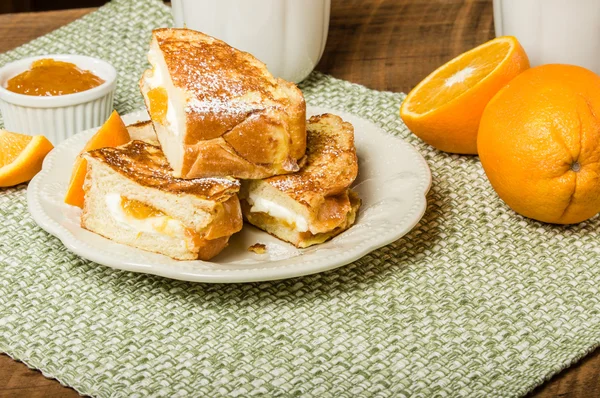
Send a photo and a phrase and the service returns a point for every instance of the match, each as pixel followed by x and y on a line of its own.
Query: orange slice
pixel 112 134
pixel 444 110
pixel 21 157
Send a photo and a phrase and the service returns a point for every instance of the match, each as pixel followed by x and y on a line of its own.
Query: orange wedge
pixel 112 133
pixel 444 110
pixel 21 157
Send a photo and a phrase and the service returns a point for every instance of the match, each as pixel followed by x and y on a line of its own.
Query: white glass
pixel 287 35
pixel 553 31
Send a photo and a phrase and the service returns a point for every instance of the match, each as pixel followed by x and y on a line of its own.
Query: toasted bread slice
pixel 143 131
pixel 132 198
pixel 314 204
pixel 218 111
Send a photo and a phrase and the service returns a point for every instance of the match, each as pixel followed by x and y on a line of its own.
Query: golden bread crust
pixel 140 124
pixel 319 192
pixel 210 248
pixel 303 239
pixel 203 236
pixel 297 123
pixel 228 218
pixel 214 74
pixel 331 163
pixel 145 164
pixel 212 240
pixel 143 131
pixel 229 94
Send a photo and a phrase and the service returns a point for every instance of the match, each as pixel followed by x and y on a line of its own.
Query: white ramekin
pixel 58 117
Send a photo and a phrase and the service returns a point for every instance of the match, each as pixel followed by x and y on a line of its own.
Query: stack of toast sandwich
pixel 227 141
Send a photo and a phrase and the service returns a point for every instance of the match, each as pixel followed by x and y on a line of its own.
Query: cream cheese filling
pixel 275 210
pixel 160 225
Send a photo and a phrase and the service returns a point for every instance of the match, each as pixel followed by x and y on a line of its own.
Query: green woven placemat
pixel 475 301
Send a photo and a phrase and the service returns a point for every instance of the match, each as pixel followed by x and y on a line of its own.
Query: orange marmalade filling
pixel 139 210
pixel 48 77
pixel 158 99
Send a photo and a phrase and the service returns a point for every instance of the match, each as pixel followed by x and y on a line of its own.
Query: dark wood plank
pixel 17 380
pixel 579 381
pixel 17 29
pixel 383 44
pixel 392 45
pixel 7 6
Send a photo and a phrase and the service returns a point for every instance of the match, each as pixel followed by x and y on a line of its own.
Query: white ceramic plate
pixel 392 182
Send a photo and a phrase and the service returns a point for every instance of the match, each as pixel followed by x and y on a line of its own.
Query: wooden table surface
pixel 382 44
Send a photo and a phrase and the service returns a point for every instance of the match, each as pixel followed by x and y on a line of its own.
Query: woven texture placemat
pixel 475 301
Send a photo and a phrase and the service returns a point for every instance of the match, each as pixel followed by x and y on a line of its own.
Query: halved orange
pixel 21 157
pixel 112 134
pixel 444 110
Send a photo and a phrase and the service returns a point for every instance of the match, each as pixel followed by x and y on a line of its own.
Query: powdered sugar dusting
pixel 209 69
pixel 223 86
pixel 219 105
pixel 331 164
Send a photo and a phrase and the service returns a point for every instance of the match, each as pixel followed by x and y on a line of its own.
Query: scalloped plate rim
pixel 328 262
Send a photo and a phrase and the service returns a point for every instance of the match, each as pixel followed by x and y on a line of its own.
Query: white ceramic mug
pixel 287 35
pixel 553 31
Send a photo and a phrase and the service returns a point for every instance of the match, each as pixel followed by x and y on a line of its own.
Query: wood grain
pixel 17 29
pixel 581 380
pixel 382 44
pixel 392 45
pixel 17 380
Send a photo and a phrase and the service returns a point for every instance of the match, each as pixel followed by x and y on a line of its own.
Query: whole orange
pixel 539 143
